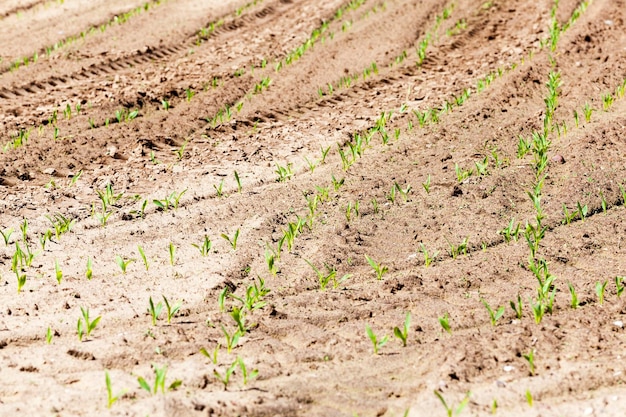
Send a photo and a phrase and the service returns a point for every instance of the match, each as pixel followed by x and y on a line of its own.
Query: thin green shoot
pixel 403 333
pixel 123 263
pixel 374 339
pixel 159 381
pixel 213 355
pixel 231 339
pixel 142 254
pixel 204 247
pixel 494 316
pixel 89 272
pixel 225 379
pixel 600 289
pixel 619 285
pixel 378 268
pixel 233 240
pixel 85 326
pixel 574 300
pixel 154 310
pixel 171 310
pixel 172 251
pixel 111 399
pixel 445 323
pixel 426 185
pixel 244 372
pixel 530 358
pixel 450 411
pixel 238 182
pixel 57 271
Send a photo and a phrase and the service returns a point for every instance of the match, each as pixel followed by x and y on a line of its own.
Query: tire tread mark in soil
pixel 105 22
pixel 134 59
pixel 21 9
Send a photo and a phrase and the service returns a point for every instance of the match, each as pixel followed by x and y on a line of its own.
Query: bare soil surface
pixel 255 164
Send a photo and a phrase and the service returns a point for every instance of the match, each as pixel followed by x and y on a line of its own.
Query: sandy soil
pixel 308 144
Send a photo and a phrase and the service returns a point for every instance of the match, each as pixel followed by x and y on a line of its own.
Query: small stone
pixel 558 159
pixel 619 324
pixel 508 368
pixel 49 171
pixel 112 151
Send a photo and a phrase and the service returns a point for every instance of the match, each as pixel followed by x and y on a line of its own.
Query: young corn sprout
pixel 377 343
pixel 378 268
pixel 159 381
pixel 85 326
pixel 494 316
pixel 403 333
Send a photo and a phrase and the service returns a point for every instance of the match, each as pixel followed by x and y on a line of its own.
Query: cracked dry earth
pixel 314 136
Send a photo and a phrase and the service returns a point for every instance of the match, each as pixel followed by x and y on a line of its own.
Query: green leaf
pixel 143 384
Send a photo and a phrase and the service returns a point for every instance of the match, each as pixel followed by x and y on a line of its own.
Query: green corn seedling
pixel 456 250
pixel 213 355
pixel 171 310
pixel 337 183
pixel 231 339
pixel 123 263
pixel 204 247
pixel 85 326
pixel 574 300
pixel 426 185
pixel 58 272
pixel 21 280
pixel 587 110
pixel 225 379
pixel 600 288
pixel 603 202
pixel 219 189
pixel 510 232
pixel 180 152
pixel 404 333
pixel 449 409
pixel 49 336
pixel 159 381
pixel 172 251
pixel 154 310
pixel 233 241
pixel 6 235
pixel 244 372
pixel 530 358
pixel 142 254
pixel 567 215
pixel 494 316
pixel 403 191
pixel 238 314
pixel 111 399
pixel 238 182
pixel 89 272
pixel 284 173
pixel 378 268
pixel 445 323
pixel 428 259
pixel 374 339
pixel 619 285
pixel 582 211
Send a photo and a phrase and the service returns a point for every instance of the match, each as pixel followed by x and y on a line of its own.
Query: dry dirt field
pixel 207 204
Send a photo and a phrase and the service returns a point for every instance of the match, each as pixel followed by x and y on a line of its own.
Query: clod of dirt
pixel 457 191
pixel 558 159
pixel 81 355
